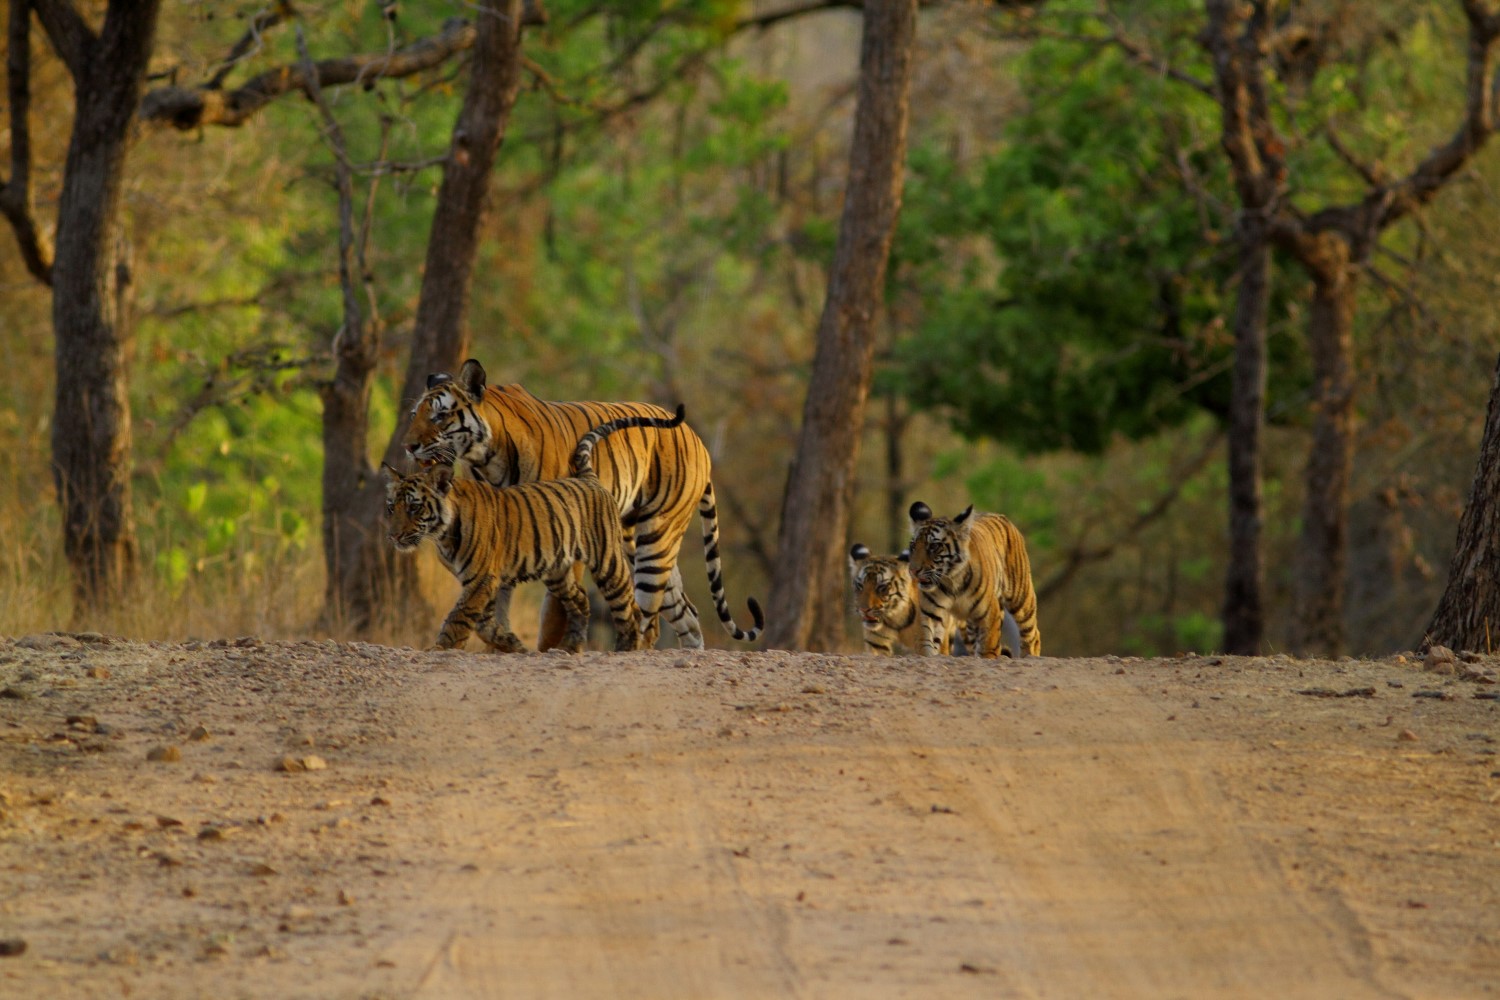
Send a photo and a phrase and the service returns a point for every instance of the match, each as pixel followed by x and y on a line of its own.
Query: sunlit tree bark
pixel 92 289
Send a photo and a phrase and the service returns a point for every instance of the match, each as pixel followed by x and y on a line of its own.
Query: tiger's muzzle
pixel 927 579
pixel 427 456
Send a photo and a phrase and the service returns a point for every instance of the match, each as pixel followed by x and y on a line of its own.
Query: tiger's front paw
pixel 506 642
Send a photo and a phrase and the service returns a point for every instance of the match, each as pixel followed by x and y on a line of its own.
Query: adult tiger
pixel 973 572
pixel 888 602
pixel 492 538
pixel 504 436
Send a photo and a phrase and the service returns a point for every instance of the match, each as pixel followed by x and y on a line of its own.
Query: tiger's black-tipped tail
pixel 583 454
pixel 708 511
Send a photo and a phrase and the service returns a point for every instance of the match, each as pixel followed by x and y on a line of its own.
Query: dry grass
pixel 261 589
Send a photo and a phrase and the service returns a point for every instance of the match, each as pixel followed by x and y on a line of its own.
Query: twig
pixel 15 193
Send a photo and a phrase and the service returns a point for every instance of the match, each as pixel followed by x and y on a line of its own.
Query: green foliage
pixel 1087 302
pixel 1005 484
pixel 1158 634
pixel 644 219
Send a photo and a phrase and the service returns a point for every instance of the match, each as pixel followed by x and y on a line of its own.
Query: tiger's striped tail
pixel 583 454
pixel 708 511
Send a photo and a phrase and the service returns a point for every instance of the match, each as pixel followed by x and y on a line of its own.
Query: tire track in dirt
pixel 794 826
pixel 602 873
pixel 1127 871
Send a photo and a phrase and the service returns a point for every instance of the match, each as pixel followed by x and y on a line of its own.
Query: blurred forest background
pixel 1055 343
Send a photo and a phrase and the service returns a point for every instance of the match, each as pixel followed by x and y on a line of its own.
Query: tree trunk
pixel 440 340
pixel 355 554
pixel 807 600
pixel 91 436
pixel 1323 552
pixel 1468 615
pixel 1244 612
pixel 354 559
pixel 898 527
pixel 368 573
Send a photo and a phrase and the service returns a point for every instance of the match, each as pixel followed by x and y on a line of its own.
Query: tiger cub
pixel 973 570
pixel 886 597
pixel 887 600
pixel 492 538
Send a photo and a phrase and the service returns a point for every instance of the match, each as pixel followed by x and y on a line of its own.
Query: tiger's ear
pixel 961 518
pixel 391 475
pixel 442 479
pixel 920 512
pixel 904 556
pixel 437 379
pixel 857 555
pixel 471 377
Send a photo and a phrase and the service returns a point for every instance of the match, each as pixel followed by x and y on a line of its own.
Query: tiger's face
pixel 939 545
pixel 444 423
pixel 882 587
pixel 415 505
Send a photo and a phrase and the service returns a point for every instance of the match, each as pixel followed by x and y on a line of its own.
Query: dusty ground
pixel 740 824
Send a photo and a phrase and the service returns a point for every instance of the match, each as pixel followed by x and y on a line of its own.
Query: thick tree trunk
pixel 1468 615
pixel 91 434
pixel 355 554
pixel 1323 555
pixel 440 341
pixel 1244 612
pixel 807 601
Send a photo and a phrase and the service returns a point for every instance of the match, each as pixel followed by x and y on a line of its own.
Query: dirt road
pixel 740 824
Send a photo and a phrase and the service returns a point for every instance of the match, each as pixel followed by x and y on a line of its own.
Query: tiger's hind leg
pixel 555 617
pixel 659 593
pixel 563 586
pixel 1028 633
pixel 987 628
pixel 617 586
pixel 680 613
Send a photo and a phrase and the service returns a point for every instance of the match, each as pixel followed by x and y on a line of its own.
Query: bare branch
pixel 1082 556
pixel 185 108
pixel 1256 154
pixel 1145 57
pixel 70 35
pixel 355 346
pixel 761 22
pixel 250 41
pixel 1372 174
pixel 15 193
pixel 1393 202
